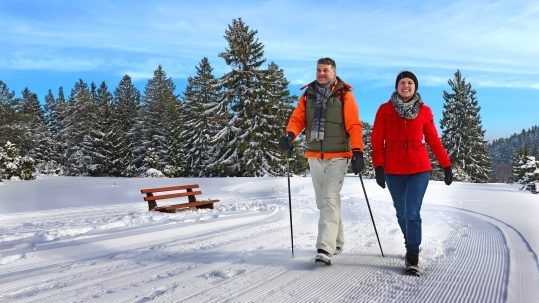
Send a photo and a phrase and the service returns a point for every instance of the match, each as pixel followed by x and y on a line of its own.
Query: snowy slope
pixel 68 239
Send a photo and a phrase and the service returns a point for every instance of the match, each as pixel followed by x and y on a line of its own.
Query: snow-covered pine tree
pixel 462 132
pixel 502 150
pixel 151 160
pixel 525 170
pixel 531 178
pixel 278 108
pixel 78 123
pixel 200 124
pixel 162 125
pixel 51 113
pixel 9 117
pixel 126 121
pixel 57 127
pixel 3 162
pixel 15 166
pixel 176 149
pixel 91 141
pixel 8 155
pixel 37 139
pixel 244 95
pixel 53 117
pixel 136 151
pixel 100 144
pixel 519 159
pixel 368 171
pixel 32 117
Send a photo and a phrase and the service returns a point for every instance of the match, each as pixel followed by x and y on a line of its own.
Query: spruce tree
pixel 58 133
pixel 78 124
pixel 99 144
pixel 368 171
pixel 525 170
pixel 9 117
pixel 201 125
pixel 246 98
pixel 32 116
pixel 53 116
pixel 277 105
pixel 38 143
pixel 3 163
pixel 462 132
pixel 15 166
pixel 126 122
pixel 176 149
pixel 162 125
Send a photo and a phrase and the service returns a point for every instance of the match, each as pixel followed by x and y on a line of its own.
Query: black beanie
pixel 406 74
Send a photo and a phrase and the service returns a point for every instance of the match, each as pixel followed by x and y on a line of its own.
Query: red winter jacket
pixel 398 144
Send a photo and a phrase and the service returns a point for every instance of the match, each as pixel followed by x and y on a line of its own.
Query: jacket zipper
pixel 405 134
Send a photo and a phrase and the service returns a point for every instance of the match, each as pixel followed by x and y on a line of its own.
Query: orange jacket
pixel 354 126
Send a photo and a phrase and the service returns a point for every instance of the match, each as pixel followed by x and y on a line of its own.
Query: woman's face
pixel 406 89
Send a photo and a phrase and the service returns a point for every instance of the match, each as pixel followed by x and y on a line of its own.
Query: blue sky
pixel 495 44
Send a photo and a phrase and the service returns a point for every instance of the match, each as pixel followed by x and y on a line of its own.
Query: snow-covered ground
pixel 70 239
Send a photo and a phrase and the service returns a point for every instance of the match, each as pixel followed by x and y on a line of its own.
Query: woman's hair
pixel 406 74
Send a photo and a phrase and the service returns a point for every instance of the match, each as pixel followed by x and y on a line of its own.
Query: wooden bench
pixel 189 193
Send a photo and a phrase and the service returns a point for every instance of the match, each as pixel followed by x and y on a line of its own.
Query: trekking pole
pixel 289 200
pixel 372 218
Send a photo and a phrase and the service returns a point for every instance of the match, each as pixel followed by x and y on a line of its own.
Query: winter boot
pixel 323 257
pixel 411 261
pixel 338 251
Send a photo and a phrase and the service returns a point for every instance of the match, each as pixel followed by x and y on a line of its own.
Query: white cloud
pixel 508 84
pixel 482 36
pixel 67 64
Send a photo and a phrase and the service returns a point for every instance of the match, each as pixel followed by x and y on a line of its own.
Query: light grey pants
pixel 328 176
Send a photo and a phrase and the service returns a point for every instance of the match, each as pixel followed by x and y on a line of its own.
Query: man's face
pixel 325 74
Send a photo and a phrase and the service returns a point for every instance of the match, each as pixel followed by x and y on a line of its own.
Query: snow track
pixel 368 277
pixel 240 252
pixel 466 258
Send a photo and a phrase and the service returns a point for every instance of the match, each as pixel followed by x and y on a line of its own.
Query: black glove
pixel 286 141
pixel 357 162
pixel 380 176
pixel 448 175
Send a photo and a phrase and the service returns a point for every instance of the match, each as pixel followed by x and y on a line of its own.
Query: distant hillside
pixel 502 151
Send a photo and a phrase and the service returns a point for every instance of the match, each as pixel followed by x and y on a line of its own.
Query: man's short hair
pixel 328 61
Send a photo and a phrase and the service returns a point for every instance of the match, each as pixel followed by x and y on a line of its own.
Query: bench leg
pixel 151 204
pixel 210 205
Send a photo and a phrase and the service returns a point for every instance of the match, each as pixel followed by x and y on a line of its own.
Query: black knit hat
pixel 406 74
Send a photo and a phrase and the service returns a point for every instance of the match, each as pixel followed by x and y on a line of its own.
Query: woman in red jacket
pixel 401 128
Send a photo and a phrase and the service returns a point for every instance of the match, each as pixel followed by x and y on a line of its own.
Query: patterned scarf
pixel 407 110
pixel 319 122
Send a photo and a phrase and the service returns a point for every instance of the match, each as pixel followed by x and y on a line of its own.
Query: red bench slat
pixel 160 197
pixel 170 188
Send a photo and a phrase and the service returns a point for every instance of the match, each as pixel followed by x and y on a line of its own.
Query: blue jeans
pixel 407 192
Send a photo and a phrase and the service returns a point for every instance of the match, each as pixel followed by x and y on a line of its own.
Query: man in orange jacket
pixel 329 114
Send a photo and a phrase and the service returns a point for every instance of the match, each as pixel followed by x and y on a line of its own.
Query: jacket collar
pixel 339 84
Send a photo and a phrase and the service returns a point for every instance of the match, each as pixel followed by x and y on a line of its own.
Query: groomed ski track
pixel 245 257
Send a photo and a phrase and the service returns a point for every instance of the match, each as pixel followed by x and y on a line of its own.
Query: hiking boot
pixel 411 259
pixel 323 257
pixel 411 262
